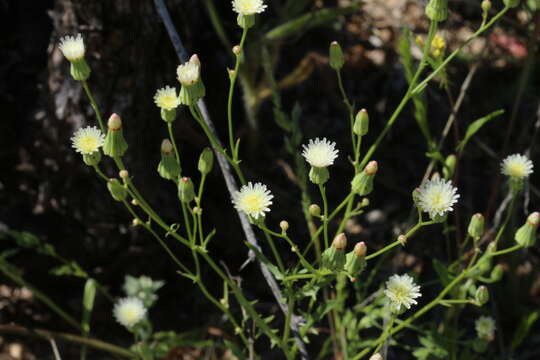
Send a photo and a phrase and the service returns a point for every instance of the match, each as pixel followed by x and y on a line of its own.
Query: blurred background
pixel 48 195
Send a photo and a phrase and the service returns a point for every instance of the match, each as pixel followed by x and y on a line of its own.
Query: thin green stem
pixel 506 251
pixel 94 105
pixel 325 214
pixel 507 218
pixel 274 250
pixel 173 141
pixel 350 107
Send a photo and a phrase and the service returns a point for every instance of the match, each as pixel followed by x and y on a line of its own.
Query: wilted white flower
pixel 485 327
pixel 320 153
pixel 129 311
pixel 437 197
pixel 517 166
pixel 72 47
pixel 189 72
pixel 88 140
pixel 253 199
pixel 248 7
pixel 166 98
pixel 401 291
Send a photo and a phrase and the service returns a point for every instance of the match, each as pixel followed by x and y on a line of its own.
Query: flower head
pixel 253 199
pixel 320 153
pixel 437 197
pixel 189 72
pixel 401 291
pixel 88 140
pixel 517 166
pixel 129 311
pixel 72 47
pixel 166 98
pixel 485 327
pixel 248 7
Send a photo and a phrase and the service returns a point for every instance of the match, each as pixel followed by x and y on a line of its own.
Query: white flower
pixel 248 7
pixel 517 166
pixel 166 98
pixel 189 72
pixel 401 291
pixel 253 199
pixel 320 153
pixel 437 196
pixel 485 327
pixel 129 311
pixel 88 140
pixel 72 47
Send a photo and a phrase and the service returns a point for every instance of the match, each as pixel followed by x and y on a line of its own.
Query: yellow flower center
pixel 516 169
pixel 130 315
pixel 167 101
pixel 88 144
pixel 252 203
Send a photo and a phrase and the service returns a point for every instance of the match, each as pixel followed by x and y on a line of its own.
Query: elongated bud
pixel 186 191
pixel 486 6
pixel 319 175
pixel 376 356
pixel 337 59
pixel 476 226
pixel 115 144
pixel 168 167
pixel 497 273
pixel 360 249
pixel 92 159
pixel 482 295
pixel 117 190
pixel 284 225
pixel 206 161
pixel 355 261
pixel 362 183
pixel 526 235
pixel 449 166
pixel 333 258
pixel 314 210
pixel 340 242
pixel 511 3
pixel 236 50
pixel 437 10
pixel 361 123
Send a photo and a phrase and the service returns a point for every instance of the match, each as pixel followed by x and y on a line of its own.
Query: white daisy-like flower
pixel 320 153
pixel 88 140
pixel 437 197
pixel 129 311
pixel 253 199
pixel 517 166
pixel 166 98
pixel 401 291
pixel 189 72
pixel 485 327
pixel 248 7
pixel 72 47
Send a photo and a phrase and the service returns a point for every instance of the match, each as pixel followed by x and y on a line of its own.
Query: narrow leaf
pixel 475 126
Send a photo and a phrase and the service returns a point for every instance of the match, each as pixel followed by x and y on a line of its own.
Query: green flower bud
pixel 361 123
pixel 117 190
pixel 526 235
pixel 337 59
pixel 186 190
pixel 115 144
pixel 511 3
pixel 437 10
pixel 362 183
pixel 206 161
pixel 92 159
pixel 168 115
pixel 80 70
pixel 497 273
pixel 355 261
pixel 319 175
pixel 480 345
pixel 333 258
pixel 245 21
pixel 486 6
pixel 476 226
pixel 168 168
pixel 449 166
pixel 314 210
pixel 482 295
pixel 284 225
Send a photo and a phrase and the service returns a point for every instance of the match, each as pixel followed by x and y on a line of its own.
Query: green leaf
pixel 475 126
pixel 524 327
pixel 441 270
pixel 89 296
pixel 273 268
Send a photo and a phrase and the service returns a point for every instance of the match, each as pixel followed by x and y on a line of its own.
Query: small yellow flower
pixel 401 291
pixel 438 44
pixel 248 7
pixel 253 199
pixel 88 140
pixel 129 311
pixel 437 197
pixel 166 98
pixel 517 166
pixel 72 47
pixel 320 153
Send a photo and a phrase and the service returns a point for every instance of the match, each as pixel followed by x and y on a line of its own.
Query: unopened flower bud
pixel 319 175
pixel 361 123
pixel 497 273
pixel 337 59
pixel 402 240
pixel 355 261
pixel 376 356
pixel 360 249
pixel 168 167
pixel 124 174
pixel 486 6
pixel 511 3
pixel 476 226
pixel 115 122
pixel 340 242
pixel 526 235
pixel 115 144
pixel 364 203
pixel 362 183
pixel 186 191
pixel 334 257
pixel 449 166
pixel 134 202
pixel 206 161
pixel 236 50
pixel 284 225
pixel 314 210
pixel 437 10
pixel 482 295
pixel 136 222
pixel 117 190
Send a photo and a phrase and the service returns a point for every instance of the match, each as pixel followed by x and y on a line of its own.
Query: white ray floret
pixel 248 7
pixel 253 199
pixel 88 140
pixel 166 98
pixel 320 153
pixel 437 197
pixel 189 72
pixel 129 311
pixel 72 47
pixel 485 327
pixel 517 166
pixel 401 291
